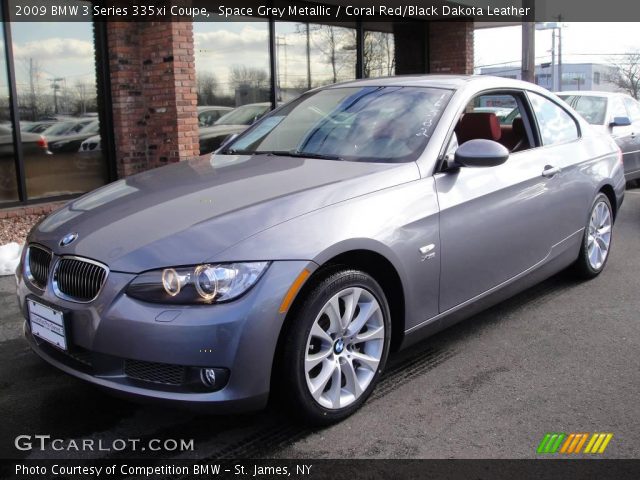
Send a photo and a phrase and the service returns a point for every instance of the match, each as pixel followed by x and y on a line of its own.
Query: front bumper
pixel 115 331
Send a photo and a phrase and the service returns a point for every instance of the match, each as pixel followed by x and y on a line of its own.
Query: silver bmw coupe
pixel 345 225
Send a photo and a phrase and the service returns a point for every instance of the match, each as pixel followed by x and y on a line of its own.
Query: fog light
pixel 208 377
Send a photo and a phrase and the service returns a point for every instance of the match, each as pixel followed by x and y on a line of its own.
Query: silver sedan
pixel 345 225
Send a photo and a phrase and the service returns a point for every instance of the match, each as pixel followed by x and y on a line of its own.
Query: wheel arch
pixel 611 195
pixel 370 261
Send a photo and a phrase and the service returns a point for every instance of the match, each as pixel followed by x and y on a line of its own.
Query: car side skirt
pixel 560 257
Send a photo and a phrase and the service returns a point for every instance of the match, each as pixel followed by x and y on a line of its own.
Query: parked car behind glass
pixel 208 115
pixel 71 142
pixel 236 121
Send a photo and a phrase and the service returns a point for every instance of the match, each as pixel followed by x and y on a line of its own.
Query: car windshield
pixel 245 115
pixel 377 124
pixel 92 127
pixel 59 128
pixel 592 108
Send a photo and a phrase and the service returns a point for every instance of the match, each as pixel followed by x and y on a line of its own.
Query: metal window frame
pixel 14 112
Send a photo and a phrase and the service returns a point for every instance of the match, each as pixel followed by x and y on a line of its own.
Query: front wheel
pixel 336 347
pixel 596 242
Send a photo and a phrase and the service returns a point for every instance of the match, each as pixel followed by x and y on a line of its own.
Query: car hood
pixel 190 211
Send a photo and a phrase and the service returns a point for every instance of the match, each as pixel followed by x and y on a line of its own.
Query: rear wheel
pixel 337 346
pixel 596 242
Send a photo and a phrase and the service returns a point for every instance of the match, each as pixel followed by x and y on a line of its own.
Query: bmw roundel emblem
pixel 68 239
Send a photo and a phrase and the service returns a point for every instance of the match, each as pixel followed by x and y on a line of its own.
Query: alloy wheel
pixel 599 236
pixel 344 348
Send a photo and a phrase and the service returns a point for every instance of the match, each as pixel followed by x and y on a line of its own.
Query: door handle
pixel 633 134
pixel 550 171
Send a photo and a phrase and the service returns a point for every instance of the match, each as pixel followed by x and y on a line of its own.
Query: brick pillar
pixel 451 47
pixel 153 88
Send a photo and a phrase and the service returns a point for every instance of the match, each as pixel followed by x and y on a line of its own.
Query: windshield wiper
pixel 298 154
pixel 281 153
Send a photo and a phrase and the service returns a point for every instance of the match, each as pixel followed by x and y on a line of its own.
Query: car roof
pixel 454 82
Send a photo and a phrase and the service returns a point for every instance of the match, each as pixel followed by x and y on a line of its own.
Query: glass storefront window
pixel 332 54
pixel 232 62
pixel 312 55
pixel 8 183
pixel 57 101
pixel 379 58
pixel 232 77
pixel 293 70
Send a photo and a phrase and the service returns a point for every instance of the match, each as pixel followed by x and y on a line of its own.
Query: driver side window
pixel 495 116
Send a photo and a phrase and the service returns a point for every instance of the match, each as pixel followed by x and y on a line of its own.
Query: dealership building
pixel 97 101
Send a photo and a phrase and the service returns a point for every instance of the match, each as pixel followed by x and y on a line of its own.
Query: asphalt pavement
pixel 563 356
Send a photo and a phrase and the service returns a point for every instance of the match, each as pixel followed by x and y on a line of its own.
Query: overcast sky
pixel 581 43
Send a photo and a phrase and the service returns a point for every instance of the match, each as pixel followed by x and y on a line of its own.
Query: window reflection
pixel 232 71
pixel 378 56
pixel 332 54
pixel 293 75
pixel 312 55
pixel 57 101
pixel 556 125
pixel 8 184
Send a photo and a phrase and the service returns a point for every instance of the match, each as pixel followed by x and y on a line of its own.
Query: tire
pixel 591 262
pixel 312 362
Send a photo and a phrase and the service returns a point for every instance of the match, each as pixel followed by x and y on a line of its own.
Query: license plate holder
pixel 47 324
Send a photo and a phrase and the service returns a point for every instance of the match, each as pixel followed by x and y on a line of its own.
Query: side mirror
pixel 620 122
pixel 481 153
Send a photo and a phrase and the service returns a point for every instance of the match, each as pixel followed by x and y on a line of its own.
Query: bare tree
pixel 331 41
pixel 626 73
pixel 206 84
pixel 378 55
pixel 241 75
pixel 83 94
pixel 33 101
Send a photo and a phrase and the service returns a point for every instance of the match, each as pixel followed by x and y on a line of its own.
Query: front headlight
pixel 197 284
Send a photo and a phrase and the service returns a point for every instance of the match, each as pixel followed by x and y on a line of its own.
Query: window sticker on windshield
pixel 425 129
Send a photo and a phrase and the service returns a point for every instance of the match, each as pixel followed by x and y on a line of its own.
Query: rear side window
pixel 555 124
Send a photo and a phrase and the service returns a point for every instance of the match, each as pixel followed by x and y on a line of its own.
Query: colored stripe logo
pixel 571 443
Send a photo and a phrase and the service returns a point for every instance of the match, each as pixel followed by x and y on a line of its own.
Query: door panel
pixel 495 223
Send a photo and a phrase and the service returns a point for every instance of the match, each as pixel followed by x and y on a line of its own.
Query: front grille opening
pixel 78 279
pixel 39 264
pixel 162 373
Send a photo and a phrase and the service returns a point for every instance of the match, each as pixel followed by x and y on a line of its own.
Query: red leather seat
pixel 520 134
pixel 476 125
